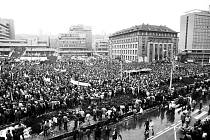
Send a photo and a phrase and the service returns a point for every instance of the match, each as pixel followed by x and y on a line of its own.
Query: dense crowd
pixel 36 88
pixel 199 131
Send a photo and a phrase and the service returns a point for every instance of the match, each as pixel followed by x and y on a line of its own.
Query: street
pixel 165 124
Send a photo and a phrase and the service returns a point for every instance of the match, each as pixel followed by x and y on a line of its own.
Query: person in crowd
pixel 107 132
pixel 187 120
pixel 88 133
pixel 183 115
pixel 30 89
pixel 59 121
pixel 15 134
pixel 65 122
pixel 20 130
pixel 116 134
pixel 201 105
pixel 9 135
pixel 146 125
pixel 98 133
pixel 46 127
pixel 151 125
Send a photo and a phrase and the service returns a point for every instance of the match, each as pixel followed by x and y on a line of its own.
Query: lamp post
pixel 121 67
pixel 171 77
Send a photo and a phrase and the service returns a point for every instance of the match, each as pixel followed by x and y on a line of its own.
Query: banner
pixel 60 70
pixel 80 83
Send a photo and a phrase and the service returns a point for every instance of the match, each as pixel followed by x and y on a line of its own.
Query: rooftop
pixel 145 27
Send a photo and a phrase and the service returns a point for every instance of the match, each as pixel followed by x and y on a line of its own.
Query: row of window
pixel 127 40
pixel 126 46
pixel 121 39
pixel 125 57
pixel 73 45
pixel 132 52
pixel 72 42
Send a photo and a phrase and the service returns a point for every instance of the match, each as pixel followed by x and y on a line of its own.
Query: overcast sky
pixel 104 16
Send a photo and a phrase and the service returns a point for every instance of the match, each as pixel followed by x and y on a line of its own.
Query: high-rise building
pixel 145 43
pixel 7 30
pixel 195 35
pixel 83 30
pixel 78 41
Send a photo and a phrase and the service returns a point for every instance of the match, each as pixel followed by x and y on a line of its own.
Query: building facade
pixel 102 47
pixel 144 43
pixel 78 41
pixel 195 35
pixel 25 49
pixel 7 30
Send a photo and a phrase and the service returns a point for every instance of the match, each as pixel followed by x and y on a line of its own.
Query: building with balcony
pixel 144 43
pixel 7 29
pixel 78 41
pixel 195 35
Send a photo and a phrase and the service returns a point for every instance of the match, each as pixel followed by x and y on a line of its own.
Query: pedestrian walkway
pixel 173 132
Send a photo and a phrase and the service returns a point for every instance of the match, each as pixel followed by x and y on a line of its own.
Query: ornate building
pixel 144 43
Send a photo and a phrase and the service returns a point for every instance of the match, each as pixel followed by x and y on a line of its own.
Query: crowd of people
pixel 199 131
pixel 31 89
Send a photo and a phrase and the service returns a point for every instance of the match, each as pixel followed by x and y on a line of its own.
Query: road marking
pixel 159 132
pixel 200 115
pixel 176 124
pixel 175 133
pixel 166 128
pixel 154 137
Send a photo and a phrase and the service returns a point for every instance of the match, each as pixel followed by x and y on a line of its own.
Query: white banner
pixel 79 83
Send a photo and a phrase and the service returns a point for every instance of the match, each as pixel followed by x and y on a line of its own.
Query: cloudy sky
pixel 104 16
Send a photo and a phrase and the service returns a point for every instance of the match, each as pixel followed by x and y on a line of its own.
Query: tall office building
pixel 78 41
pixel 145 43
pixel 195 35
pixel 7 30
